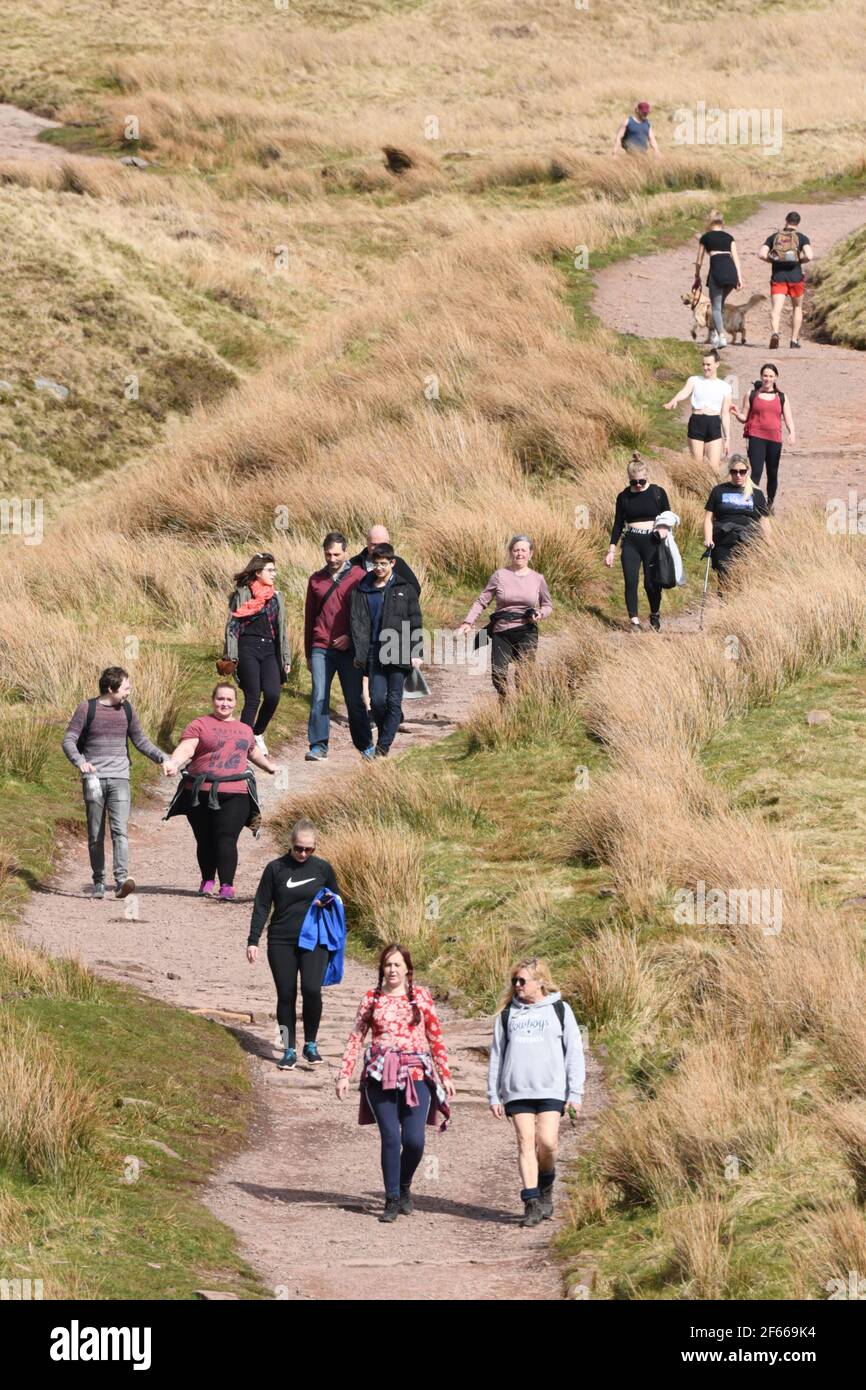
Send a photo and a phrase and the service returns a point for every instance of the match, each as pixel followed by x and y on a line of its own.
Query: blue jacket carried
pixel 325 925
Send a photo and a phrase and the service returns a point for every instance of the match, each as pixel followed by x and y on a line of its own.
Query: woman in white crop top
pixel 709 430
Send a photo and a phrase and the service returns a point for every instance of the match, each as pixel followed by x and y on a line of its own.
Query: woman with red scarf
pixel 406 1082
pixel 257 641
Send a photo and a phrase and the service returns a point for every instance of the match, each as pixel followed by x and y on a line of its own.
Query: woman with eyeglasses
pixel 285 893
pixel 709 430
pixel 257 650
pixel 536 1067
pixel 406 1081
pixel 736 511
pixel 637 507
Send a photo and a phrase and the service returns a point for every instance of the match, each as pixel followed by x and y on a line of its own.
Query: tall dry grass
pixel 48 1118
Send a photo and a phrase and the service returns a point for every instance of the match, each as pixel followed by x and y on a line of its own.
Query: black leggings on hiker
pixel 401 1128
pixel 287 961
pixel 518 644
pixel 639 548
pixel 767 451
pixel 217 832
pixel 258 676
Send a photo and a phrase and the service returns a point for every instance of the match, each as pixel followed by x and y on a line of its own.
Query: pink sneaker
pixel 206 887
pixel 226 892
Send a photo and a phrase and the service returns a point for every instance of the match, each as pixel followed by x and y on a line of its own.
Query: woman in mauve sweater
pixel 406 1081
pixel 522 600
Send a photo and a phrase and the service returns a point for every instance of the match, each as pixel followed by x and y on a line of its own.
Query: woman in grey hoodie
pixel 536 1066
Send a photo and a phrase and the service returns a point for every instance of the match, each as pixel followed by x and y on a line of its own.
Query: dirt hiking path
pixel 826 385
pixel 304 1196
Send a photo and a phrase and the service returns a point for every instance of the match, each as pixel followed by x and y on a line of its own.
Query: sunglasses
pixel 303 849
pixel 739 472
pixel 518 980
pixel 638 482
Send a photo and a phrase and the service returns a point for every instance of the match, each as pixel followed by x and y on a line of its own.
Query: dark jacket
pixel 401 569
pixel 400 635
pixel 284 651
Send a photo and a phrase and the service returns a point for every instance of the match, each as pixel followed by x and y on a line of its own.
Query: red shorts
pixel 794 291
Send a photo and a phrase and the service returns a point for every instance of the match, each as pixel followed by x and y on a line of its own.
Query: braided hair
pixel 410 974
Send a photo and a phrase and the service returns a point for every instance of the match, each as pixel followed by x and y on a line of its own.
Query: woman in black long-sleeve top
pixel 637 507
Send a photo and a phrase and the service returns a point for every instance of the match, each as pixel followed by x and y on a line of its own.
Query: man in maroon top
pixel 328 649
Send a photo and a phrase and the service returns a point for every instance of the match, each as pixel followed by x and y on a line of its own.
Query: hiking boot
pixel 317 754
pixel 261 745
pixel 98 890
pixel 206 887
pixel 226 893
pixel 795 342
pixel 381 752
pixel 656 622
pixel 545 1201
pixel 288 1061
pixel 774 340
pixel 369 753
pixel 392 1209
pixel 312 1055
pixel 405 1204
pixel 532 1213
pixel 124 889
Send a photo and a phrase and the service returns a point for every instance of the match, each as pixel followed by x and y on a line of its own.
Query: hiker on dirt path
pixel 328 647
pixel 287 889
pixel 406 1081
pixel 386 628
pixel 635 135
pixel 709 430
pixel 723 272
pixel 522 602
pixel 217 792
pixel 736 510
pixel 637 507
pixel 763 410
pixel 786 250
pixel 378 535
pixel 257 642
pixel 96 743
pixel 536 1066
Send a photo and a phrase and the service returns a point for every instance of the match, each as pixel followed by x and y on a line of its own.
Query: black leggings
pixel 639 549
pixel 401 1128
pixel 519 644
pixel 258 676
pixel 216 832
pixel 287 960
pixel 767 451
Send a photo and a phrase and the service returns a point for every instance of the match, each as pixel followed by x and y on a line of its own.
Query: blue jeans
pixel 401 1128
pixel 112 806
pixel 386 701
pixel 325 663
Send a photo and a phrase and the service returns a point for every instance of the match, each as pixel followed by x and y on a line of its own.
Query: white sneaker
pixel 261 745
pixel 714 339
pixel 722 342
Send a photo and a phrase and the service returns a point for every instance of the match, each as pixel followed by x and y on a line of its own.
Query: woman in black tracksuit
pixel 385 626
pixel 286 890
pixel 637 507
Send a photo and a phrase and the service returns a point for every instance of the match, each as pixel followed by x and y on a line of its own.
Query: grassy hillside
pixel 838 303
pixel 321 341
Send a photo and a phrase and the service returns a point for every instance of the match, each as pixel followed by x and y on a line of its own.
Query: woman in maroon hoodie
pixel 328 648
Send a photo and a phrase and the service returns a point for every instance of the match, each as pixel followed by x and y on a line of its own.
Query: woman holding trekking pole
pixel 709 429
pixel 522 602
pixel 736 511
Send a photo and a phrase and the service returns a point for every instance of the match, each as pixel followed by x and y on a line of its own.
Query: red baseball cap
pixel 643 108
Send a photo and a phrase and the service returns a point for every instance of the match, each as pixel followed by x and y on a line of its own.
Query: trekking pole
pixel 706 556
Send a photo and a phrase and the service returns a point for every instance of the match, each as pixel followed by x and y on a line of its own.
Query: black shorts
pixel 705 427
pixel 534 1107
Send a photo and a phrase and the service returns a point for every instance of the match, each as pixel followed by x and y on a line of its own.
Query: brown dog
pixel 733 315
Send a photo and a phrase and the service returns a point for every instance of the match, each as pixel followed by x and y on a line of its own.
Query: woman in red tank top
pixel 762 412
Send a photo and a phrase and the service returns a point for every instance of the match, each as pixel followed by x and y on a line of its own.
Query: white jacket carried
pixel 670 520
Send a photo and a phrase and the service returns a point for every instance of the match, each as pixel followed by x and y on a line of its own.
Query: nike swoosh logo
pixel 296 883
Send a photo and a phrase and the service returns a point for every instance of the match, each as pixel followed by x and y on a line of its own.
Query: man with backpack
pixel 97 743
pixel 329 650
pixel 786 250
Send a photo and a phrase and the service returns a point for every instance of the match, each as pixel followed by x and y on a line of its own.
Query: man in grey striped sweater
pixel 101 753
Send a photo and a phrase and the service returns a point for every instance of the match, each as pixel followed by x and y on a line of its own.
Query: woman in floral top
pixel 405 1082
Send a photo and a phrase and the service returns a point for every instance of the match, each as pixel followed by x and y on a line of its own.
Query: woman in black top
pixel 723 274
pixel 288 886
pixel 736 510
pixel 637 507
pixel 257 640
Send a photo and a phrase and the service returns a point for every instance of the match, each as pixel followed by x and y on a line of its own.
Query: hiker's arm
pixel 708 529
pixel 70 739
pixel 363 1022
pixel 617 139
pixel 764 252
pixel 805 253
pixel 653 146
pixel 680 396
pixel 726 420
pixel 735 257
pixel 766 528
pixel 488 593
pixel 139 740
pixel 575 1066
pixel 181 755
pixel 255 755
pixel 262 904
pixel 493 1098
pixel 788 417
pixel 700 260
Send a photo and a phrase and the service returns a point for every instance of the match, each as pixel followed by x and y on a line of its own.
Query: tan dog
pixel 733 315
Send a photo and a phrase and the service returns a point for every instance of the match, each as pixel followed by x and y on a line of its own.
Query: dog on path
pixel 733 315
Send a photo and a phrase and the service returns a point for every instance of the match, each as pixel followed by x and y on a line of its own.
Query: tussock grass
pixel 28 970
pixel 702 1246
pixel 48 1118
pixel 27 742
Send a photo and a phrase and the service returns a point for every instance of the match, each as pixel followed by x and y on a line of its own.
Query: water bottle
pixel 93 787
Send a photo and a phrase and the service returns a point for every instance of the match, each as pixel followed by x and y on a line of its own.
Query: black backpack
pixel 758 387
pixel 81 741
pixel 558 1009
